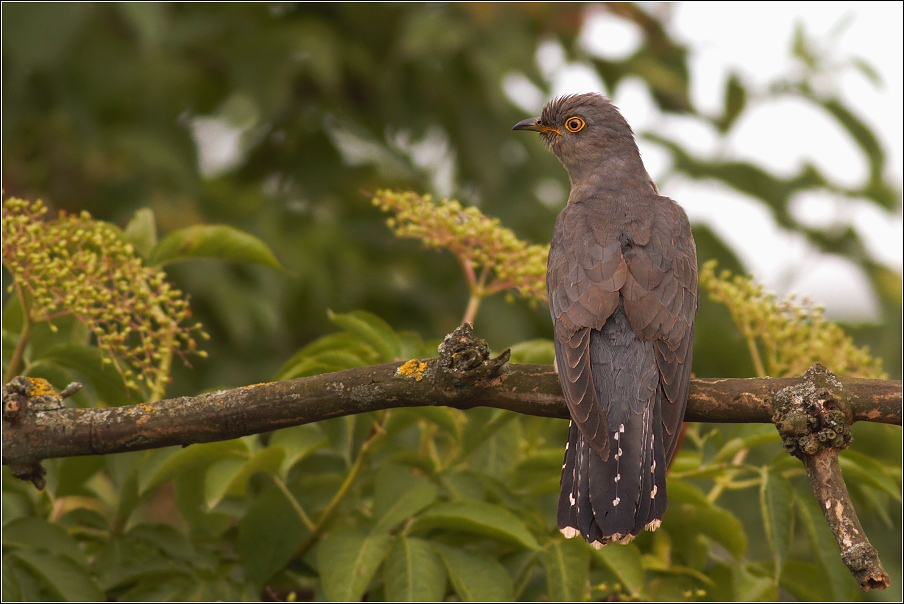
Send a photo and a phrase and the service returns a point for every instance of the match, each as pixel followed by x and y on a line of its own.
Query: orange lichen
pixel 39 387
pixel 413 369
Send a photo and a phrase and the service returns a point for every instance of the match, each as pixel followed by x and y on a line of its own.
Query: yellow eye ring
pixel 574 124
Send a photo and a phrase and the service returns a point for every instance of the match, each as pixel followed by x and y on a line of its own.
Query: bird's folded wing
pixel 660 294
pixel 583 280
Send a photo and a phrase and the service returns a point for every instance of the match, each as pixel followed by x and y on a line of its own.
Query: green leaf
pixel 212 241
pixel 824 548
pixel 441 416
pixel 475 576
pixel 413 346
pixel 625 563
pixel 141 232
pixel 865 469
pixel 462 485
pixel 219 477
pixel 806 582
pixel 733 446
pixel 752 587
pixel 498 455
pixel 74 472
pixel 201 522
pixel 477 517
pixel 125 561
pixel 735 100
pixel 166 463
pixel 230 476
pixel 344 341
pixel 348 561
pixel 482 423
pixel 11 590
pixel 65 578
pixel 540 352
pixel 567 564
pixel 413 572
pixel 372 330
pixel 297 443
pixel 324 362
pixel 62 330
pixel 161 588
pixel 167 539
pixel 398 495
pixel 36 533
pixel 268 535
pixel 690 513
pixel 307 367
pixel 777 508
pixel 521 567
pixel 129 498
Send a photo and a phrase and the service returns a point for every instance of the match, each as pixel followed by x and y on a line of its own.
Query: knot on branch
pixel 464 359
pixel 813 420
pixel 23 395
pixel 812 416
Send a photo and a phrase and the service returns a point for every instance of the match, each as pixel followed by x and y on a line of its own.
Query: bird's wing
pixel 584 275
pixel 660 298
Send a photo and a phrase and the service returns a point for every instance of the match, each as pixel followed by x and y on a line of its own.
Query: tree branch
pixel 37 427
pixel 42 430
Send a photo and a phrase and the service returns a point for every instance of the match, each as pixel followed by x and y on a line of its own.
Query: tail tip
pixel 570 532
pixel 653 525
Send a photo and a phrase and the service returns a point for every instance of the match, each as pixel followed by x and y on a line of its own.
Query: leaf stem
pixel 478 290
pixel 473 305
pixel 16 362
pixel 166 362
pixel 754 351
pixel 292 500
pixel 726 479
pixel 344 489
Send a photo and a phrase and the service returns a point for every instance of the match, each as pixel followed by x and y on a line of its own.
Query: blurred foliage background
pixel 281 120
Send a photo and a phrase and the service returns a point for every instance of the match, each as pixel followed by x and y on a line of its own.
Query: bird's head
pixel 588 135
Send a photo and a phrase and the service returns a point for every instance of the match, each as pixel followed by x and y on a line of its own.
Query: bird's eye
pixel 574 124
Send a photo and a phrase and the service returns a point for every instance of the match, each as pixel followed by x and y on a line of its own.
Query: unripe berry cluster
pixel 478 241
pixel 84 267
pixel 786 337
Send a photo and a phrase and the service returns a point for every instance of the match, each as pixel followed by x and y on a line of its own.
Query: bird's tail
pixel 613 500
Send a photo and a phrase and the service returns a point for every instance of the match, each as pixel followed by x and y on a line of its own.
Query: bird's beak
pixel 533 124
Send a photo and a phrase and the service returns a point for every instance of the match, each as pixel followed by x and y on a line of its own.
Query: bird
pixel 622 285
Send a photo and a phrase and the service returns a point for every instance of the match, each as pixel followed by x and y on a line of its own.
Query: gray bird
pixel 622 284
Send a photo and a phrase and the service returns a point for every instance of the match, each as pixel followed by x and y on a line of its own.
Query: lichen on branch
pixel 75 265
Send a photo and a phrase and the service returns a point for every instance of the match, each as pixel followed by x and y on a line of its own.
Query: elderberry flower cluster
pixel 80 266
pixel 786 337
pixel 482 246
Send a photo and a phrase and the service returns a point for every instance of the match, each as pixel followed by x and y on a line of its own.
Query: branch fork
pixel 813 420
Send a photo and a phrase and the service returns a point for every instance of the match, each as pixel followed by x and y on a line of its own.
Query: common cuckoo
pixel 622 284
